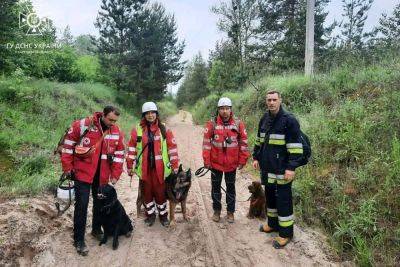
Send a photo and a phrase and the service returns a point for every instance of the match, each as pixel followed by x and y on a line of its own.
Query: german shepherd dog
pixel 177 189
pixel 257 201
pixel 113 218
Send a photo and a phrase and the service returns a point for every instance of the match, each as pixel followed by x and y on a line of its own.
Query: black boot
pixel 164 221
pixel 97 233
pixel 81 248
pixel 149 221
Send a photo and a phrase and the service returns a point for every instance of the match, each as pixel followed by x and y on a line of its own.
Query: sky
pixel 196 23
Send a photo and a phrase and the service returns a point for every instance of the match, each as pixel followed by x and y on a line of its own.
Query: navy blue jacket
pixel 278 145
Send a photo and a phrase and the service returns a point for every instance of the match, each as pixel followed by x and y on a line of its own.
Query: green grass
pixel 351 187
pixel 166 108
pixel 34 115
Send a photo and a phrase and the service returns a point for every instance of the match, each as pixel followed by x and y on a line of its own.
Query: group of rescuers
pixel 152 155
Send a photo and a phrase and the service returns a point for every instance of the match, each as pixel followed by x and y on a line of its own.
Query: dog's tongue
pixel 178 195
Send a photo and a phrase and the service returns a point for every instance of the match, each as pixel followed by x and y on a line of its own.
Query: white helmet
pixel 224 101
pixel 149 106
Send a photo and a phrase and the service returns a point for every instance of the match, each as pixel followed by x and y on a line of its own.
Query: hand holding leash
pixel 131 172
pixel 202 171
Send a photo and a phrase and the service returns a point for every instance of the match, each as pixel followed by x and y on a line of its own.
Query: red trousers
pixel 154 195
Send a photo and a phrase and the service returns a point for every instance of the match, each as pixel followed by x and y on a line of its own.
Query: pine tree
pixel 85 45
pixel 8 25
pixel 67 37
pixel 238 19
pixel 225 72
pixel 194 85
pixel 115 21
pixel 154 58
pixel 282 32
pixel 355 14
pixel 139 48
pixel 389 27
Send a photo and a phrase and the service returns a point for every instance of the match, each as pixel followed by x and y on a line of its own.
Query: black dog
pixel 113 218
pixel 177 189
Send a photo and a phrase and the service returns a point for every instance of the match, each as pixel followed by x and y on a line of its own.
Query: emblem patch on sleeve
pixel 86 141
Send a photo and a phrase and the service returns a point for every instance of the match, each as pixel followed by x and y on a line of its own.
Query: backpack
pixel 305 141
pixel 58 148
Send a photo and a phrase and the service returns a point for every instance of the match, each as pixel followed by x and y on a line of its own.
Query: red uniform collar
pixel 97 117
pixel 153 126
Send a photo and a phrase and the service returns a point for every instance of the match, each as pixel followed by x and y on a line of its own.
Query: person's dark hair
pixel 163 130
pixel 160 125
pixel 109 109
pixel 271 92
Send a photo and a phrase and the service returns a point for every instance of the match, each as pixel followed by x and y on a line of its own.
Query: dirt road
pixel 30 236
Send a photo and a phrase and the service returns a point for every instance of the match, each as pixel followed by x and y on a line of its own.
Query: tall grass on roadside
pixel 34 115
pixel 166 108
pixel 351 187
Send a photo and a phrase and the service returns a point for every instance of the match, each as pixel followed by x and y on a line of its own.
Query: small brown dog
pixel 257 201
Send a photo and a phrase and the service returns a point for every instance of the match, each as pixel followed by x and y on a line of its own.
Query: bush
pixel 35 113
pixel 65 67
pixel 350 186
pixel 129 101
pixel 166 109
pixel 205 109
pixel 89 66
pixel 34 165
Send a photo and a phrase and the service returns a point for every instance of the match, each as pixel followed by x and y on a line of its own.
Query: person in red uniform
pixel 93 154
pixel 152 155
pixel 225 149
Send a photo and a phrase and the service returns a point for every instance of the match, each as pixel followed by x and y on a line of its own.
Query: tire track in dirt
pixel 214 247
pixel 31 236
pixel 240 243
pixel 191 136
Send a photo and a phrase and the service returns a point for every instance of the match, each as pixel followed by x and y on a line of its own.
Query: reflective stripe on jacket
pixel 111 145
pixel 225 144
pixel 165 151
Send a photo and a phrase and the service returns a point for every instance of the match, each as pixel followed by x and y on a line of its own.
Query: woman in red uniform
pixel 152 155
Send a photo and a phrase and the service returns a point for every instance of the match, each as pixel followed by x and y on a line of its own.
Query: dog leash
pixel 202 171
pixel 137 160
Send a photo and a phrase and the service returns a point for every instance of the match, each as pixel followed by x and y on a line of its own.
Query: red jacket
pixel 171 147
pixel 219 154
pixel 112 144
